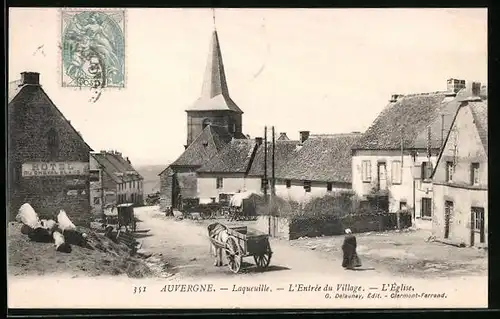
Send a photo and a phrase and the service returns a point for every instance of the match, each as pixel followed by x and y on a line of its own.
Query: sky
pixel 321 70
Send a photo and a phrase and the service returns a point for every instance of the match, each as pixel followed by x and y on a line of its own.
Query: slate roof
pixel 206 145
pixel 117 167
pixel 322 159
pixel 109 167
pixel 14 89
pixel 236 157
pixel 214 94
pixel 284 149
pixel 283 137
pixel 411 116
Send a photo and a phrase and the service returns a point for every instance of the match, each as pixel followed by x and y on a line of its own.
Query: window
pixel 474 174
pixel 329 187
pixel 52 143
pixel 426 170
pixel 288 183
pixel 449 171
pixel 426 207
pixel 133 184
pixel 94 175
pixel 219 183
pixel 307 186
pixel 402 205
pixel 396 172
pixel 366 171
pixel 129 184
pixel 97 200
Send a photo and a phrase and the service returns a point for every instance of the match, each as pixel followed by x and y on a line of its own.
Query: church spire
pixel 214 92
pixel 214 82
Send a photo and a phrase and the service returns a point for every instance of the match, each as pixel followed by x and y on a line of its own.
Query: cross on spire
pixel 213 16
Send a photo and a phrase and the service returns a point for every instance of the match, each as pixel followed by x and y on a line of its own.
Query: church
pixel 213 121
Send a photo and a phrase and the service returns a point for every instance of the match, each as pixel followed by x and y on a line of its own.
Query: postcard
pixel 247 158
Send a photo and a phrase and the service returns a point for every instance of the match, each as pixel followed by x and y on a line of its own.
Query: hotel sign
pixel 55 169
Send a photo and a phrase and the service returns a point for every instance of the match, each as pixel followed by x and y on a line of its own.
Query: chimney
pixel 258 141
pixel 476 88
pixel 128 160
pixel 304 135
pixel 32 78
pixel 283 137
pixel 395 97
pixel 455 85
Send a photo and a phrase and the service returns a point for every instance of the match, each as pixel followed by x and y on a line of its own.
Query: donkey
pixel 217 232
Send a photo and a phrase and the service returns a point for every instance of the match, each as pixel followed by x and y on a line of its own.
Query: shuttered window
pixel 366 173
pixel 396 172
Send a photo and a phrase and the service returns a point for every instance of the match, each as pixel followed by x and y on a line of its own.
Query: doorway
pixel 448 211
pixel 382 176
pixel 477 226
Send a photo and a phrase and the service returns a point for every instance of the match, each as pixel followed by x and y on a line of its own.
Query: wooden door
pixel 382 176
pixel 472 227
pixel 477 225
pixel 448 211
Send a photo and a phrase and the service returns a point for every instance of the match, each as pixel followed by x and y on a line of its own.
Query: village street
pixel 184 245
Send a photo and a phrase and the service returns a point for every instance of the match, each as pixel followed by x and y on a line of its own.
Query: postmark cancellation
pixel 93 48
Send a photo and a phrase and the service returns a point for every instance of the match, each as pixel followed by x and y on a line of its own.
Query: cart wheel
pixel 233 255
pixel 262 261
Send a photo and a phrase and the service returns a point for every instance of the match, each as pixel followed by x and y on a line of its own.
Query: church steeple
pixel 214 92
pixel 214 82
pixel 214 106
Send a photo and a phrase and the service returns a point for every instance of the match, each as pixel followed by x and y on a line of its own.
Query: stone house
pixel 460 180
pixel 226 172
pixel 395 157
pixel 48 160
pixel 319 165
pixel 113 180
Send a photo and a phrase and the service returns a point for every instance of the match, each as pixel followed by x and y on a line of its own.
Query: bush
pixel 336 204
pixel 277 206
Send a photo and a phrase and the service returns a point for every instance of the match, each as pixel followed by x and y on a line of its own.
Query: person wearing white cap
pixel 350 257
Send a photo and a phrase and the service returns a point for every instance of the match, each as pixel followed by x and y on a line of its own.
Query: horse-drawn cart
pixel 241 242
pixel 121 215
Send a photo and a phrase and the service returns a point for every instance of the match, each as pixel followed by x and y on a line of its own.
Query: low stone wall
pixel 314 226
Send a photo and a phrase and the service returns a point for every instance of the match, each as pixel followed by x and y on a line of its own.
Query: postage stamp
pixel 93 48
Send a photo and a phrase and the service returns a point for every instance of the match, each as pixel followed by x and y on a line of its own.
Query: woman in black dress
pixel 350 257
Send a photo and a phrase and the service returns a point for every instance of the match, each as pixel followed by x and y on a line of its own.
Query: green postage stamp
pixel 93 48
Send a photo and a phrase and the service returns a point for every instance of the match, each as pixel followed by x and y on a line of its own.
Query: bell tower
pixel 214 106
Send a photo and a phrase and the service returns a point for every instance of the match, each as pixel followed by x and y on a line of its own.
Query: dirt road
pixel 185 246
